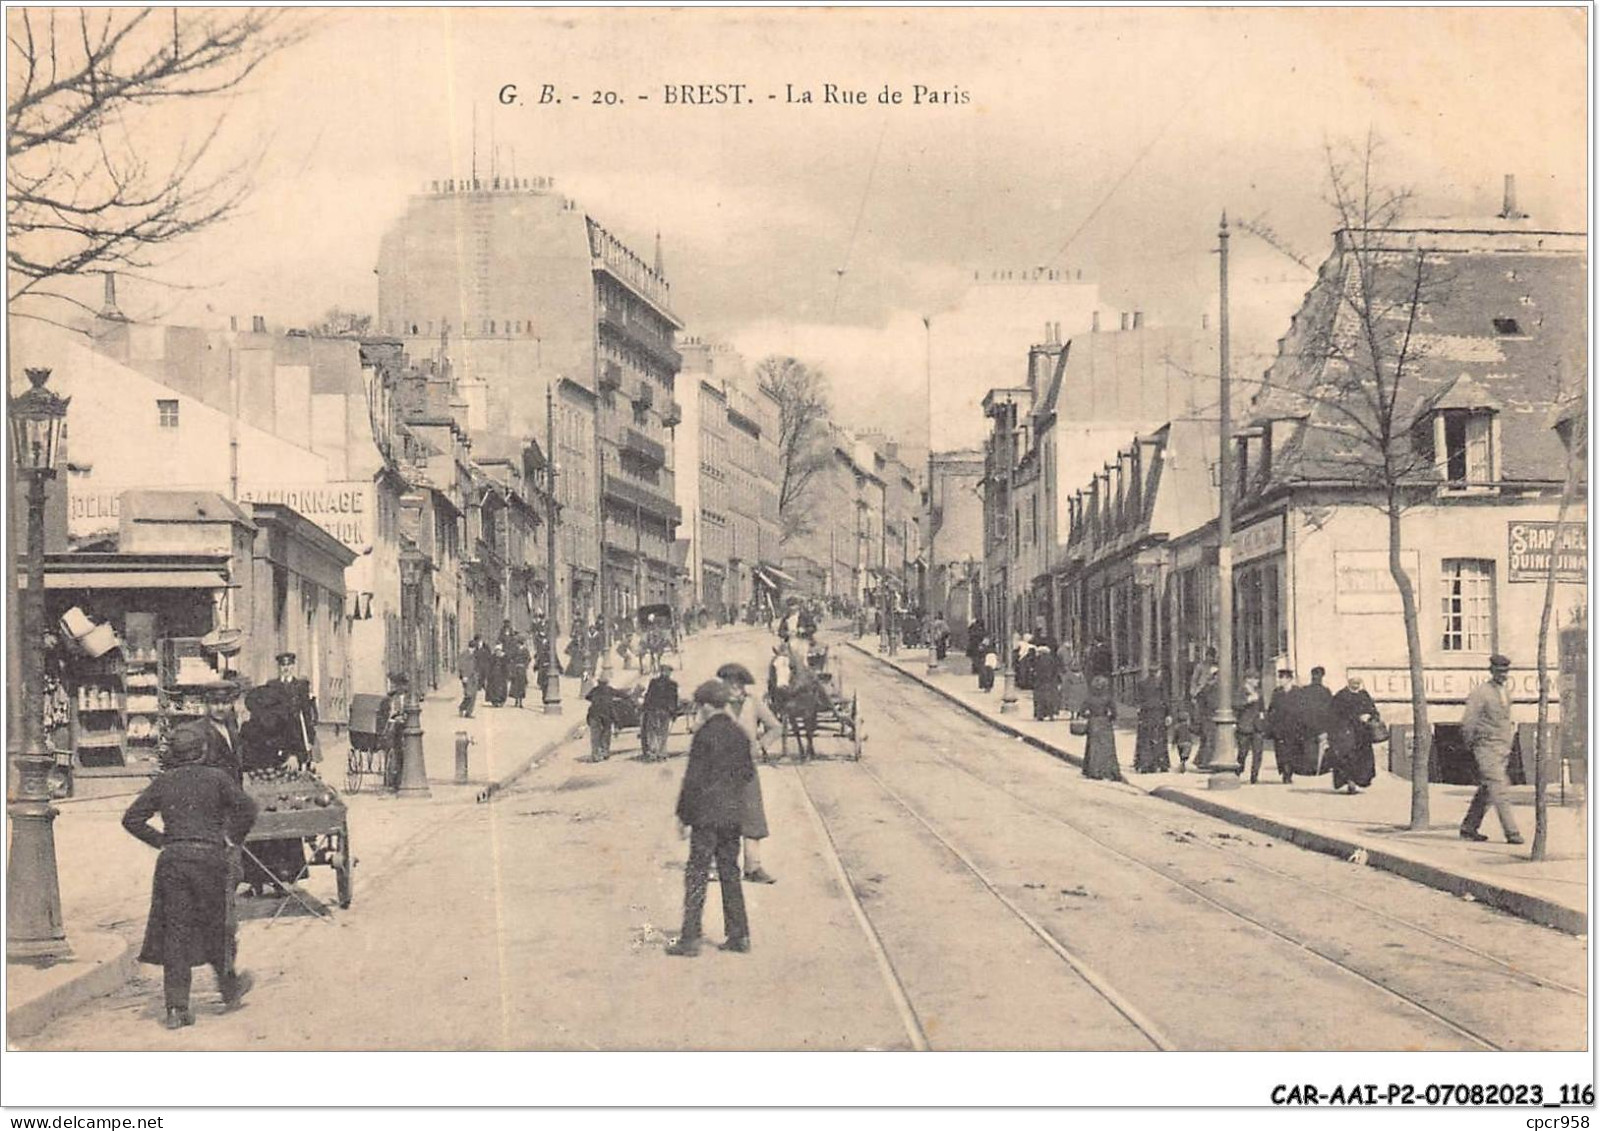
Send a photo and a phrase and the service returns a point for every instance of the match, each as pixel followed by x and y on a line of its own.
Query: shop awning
pixel 773 577
pixel 131 579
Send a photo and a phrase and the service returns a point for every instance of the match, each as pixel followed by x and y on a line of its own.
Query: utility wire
pixel 1178 111
pixel 856 227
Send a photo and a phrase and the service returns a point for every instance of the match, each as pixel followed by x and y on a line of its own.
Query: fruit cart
pixel 293 805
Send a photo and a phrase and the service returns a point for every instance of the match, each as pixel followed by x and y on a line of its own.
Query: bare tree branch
pixel 90 186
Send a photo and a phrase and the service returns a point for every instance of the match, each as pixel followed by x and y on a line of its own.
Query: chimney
pixel 258 324
pixel 1124 319
pixel 1138 319
pixel 1510 210
pixel 1094 323
pixel 109 311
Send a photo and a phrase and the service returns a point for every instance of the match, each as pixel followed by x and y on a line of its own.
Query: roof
pixel 182 506
pixel 1502 325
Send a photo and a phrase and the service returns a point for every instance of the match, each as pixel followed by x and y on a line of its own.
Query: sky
pixel 1100 141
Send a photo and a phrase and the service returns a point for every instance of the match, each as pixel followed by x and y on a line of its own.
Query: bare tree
pixel 100 175
pixel 802 394
pixel 1355 378
pixel 1576 439
pixel 341 323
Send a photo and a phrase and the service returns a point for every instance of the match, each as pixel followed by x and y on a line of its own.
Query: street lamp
pixel 1224 750
pixel 413 767
pixel 34 930
pixel 930 586
pixel 550 673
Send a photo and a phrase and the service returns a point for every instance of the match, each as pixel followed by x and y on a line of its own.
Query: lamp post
pixel 550 672
pixel 930 588
pixel 34 929
pixel 1224 751
pixel 413 767
pixel 1008 691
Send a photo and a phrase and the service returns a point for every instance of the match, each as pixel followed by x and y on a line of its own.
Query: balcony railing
pixel 645 393
pixel 631 494
pixel 642 336
pixel 643 446
pixel 610 376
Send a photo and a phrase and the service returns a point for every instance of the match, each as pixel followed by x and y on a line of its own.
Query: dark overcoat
pixel 720 767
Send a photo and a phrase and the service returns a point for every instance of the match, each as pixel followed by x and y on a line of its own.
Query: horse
pixel 654 645
pixel 797 707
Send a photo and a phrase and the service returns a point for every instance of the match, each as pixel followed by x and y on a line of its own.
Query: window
pixel 168 413
pixel 1468 448
pixel 1468 605
pixel 1507 327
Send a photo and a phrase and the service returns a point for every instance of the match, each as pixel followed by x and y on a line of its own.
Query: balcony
pixel 644 394
pixel 642 336
pixel 632 495
pixel 644 447
pixel 610 377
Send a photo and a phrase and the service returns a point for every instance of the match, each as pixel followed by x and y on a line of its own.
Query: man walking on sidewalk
pixel 1487 728
pixel 1285 725
pixel 711 805
pixel 660 704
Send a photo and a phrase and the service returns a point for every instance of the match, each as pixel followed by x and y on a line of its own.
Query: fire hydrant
pixel 463 740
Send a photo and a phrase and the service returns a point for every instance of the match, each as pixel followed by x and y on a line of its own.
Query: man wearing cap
pixel 711 805
pixel 203 812
pixel 302 731
pixel 1285 725
pixel 1488 730
pixel 660 704
pixel 602 717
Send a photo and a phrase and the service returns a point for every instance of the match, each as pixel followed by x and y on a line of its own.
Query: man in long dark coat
pixel 1285 724
pixel 1317 718
pixel 203 813
pixel 660 705
pixel 711 806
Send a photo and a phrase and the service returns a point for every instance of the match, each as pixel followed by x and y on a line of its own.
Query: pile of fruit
pixel 284 789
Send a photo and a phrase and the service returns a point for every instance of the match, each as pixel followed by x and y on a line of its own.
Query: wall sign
pixel 1449 685
pixel 1258 539
pixel 1362 582
pixel 1528 548
pixel 344 509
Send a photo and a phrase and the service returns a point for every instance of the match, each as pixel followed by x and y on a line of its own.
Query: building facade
pixel 521 290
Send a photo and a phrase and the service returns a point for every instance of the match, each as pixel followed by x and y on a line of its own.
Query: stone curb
pixel 1521 904
pixel 115 961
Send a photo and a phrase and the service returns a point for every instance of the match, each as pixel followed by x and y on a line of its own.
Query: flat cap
pixel 713 693
pixel 285 657
pixel 736 673
pixel 1499 661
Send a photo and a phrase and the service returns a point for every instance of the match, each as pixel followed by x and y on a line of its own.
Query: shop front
pixel 122 627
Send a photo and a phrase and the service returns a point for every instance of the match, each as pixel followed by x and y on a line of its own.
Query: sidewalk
pixel 105 874
pixel 1368 827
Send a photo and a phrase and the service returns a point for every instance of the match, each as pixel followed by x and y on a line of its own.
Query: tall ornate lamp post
pixel 550 675
pixel 34 930
pixel 413 767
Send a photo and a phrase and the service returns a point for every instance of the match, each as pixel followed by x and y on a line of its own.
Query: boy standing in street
pixel 711 805
pixel 602 717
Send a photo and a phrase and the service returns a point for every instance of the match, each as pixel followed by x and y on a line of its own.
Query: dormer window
pixel 1464 446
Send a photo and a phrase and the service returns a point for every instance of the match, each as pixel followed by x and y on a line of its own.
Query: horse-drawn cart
pixel 816 701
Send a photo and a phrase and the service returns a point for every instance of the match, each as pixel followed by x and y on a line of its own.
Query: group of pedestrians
pixel 500 669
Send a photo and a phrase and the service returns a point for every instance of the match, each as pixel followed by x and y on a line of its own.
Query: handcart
pixel 298 806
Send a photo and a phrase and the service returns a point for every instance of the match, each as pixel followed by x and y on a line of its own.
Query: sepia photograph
pixel 783 530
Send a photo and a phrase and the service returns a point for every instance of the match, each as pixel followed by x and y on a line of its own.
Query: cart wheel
pixel 343 867
pixel 352 772
pixel 855 727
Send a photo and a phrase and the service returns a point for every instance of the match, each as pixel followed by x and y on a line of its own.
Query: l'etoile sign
pixel 1530 544
pixel 344 509
pixel 1449 685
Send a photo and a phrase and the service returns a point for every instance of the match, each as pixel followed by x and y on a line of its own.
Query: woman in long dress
pixel 1100 755
pixel 495 690
pixel 1046 684
pixel 1350 738
pixel 1074 689
pixel 517 658
pixel 1150 751
pixel 757 722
